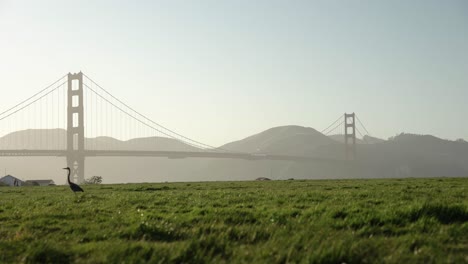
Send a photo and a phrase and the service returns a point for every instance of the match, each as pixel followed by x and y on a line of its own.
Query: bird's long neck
pixel 68 177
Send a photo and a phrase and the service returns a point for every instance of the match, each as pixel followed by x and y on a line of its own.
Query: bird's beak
pixel 65 168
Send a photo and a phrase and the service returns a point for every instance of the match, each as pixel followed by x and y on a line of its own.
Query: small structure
pixel 263 179
pixel 11 181
pixel 40 182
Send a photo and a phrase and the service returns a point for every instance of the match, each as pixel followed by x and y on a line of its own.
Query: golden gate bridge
pixel 61 119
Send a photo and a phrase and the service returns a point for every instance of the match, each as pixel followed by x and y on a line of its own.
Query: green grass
pixel 326 221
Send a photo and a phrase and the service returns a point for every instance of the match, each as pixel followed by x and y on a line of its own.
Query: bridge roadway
pixel 161 153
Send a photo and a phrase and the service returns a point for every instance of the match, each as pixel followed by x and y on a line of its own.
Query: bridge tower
pixel 75 127
pixel 350 135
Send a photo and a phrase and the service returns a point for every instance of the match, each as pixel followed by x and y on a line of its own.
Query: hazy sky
pixel 218 70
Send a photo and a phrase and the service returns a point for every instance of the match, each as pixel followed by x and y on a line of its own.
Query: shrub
pixel 94 180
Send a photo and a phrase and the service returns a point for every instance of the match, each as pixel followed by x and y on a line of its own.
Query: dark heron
pixel 73 186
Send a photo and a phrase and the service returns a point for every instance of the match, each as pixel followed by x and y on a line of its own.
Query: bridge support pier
pixel 75 127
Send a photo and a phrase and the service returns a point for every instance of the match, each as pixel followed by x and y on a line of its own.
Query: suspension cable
pixel 334 128
pixel 34 95
pixel 157 124
pixel 363 138
pixel 362 125
pixel 142 122
pixel 331 124
pixel 16 111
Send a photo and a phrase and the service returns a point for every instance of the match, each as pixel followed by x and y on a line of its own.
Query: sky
pixel 219 71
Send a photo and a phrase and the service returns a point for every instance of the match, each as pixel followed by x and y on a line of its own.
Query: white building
pixel 11 181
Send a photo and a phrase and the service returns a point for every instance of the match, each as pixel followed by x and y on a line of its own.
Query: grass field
pixel 326 221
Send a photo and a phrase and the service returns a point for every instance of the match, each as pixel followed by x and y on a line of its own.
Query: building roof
pixel 9 176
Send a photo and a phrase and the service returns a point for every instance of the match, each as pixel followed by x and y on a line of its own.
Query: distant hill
pixel 372 140
pixel 340 138
pixel 288 140
pixel 365 140
pixel 56 139
pixel 405 155
pixel 418 156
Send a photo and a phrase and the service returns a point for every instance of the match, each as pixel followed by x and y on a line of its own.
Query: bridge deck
pixel 160 153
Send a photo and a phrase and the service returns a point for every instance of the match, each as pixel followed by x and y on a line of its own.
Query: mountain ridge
pixel 405 155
